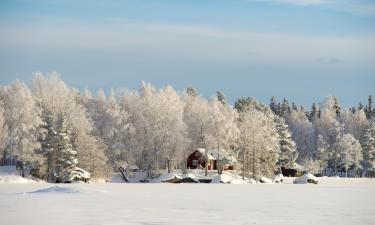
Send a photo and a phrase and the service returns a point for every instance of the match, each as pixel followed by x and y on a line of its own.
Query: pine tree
pixel 288 152
pixel 192 92
pixel 49 146
pixel 66 157
pixel 368 148
pixel 221 97
pixel 285 109
pixel 274 107
pixel 242 104
pixel 314 112
pixel 369 110
pixel 336 107
pixel 360 106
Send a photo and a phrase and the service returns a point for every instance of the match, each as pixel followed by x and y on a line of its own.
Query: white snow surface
pixel 343 201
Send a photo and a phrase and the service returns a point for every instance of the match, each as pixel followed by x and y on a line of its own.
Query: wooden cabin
pixel 197 159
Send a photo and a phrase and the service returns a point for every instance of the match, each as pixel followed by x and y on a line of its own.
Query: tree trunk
pixel 243 167
pixel 169 165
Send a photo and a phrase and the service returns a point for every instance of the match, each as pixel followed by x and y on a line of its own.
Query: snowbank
pixel 278 178
pixel 13 179
pixel 265 180
pixel 306 178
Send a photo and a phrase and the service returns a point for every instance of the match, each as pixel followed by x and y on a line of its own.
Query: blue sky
pixel 299 49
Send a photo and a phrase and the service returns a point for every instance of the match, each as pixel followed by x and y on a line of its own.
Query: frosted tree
pixel 221 97
pixel 258 144
pixel 224 131
pixel 66 157
pixel 3 129
pixel 54 96
pixel 368 146
pixel 274 106
pixel 112 125
pixel 23 121
pixel 354 123
pixel 322 152
pixel 285 109
pixel 350 153
pixel 303 134
pixel 369 110
pixel 157 116
pixel 288 153
pixel 49 145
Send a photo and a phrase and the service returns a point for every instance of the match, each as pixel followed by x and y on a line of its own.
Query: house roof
pixel 298 167
pixel 216 154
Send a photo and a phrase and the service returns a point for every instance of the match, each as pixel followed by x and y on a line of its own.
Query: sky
pixel 302 50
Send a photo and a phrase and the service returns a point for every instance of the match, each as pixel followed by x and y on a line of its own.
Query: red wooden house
pixel 197 159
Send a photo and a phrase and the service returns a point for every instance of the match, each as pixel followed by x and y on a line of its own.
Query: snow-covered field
pixel 332 201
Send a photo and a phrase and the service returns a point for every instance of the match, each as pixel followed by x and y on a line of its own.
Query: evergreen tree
pixel 66 157
pixel 294 106
pixel 221 97
pixel 369 110
pixel 49 146
pixel 360 106
pixel 285 109
pixel 314 112
pixel 192 92
pixel 368 148
pixel 242 104
pixel 274 107
pixel 288 152
pixel 336 107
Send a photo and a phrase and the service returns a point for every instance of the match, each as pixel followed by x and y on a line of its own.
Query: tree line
pixel 51 128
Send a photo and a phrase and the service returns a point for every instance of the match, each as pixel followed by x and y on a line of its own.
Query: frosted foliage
pixel 160 131
pixel 22 118
pixel 66 156
pixel 258 143
pixel 354 123
pixel 368 145
pixel 350 151
pixel 54 96
pixel 303 133
pixel 288 152
pixel 3 128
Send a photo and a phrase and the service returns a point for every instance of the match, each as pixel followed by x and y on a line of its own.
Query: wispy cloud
pixel 353 6
pixel 194 44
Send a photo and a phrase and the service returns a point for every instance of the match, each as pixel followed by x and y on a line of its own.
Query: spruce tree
pixel 274 107
pixel 368 147
pixel 288 152
pixel 337 107
pixel 313 113
pixel 66 157
pixel 369 110
pixel 221 97
pixel 49 146
pixel 285 109
pixel 192 92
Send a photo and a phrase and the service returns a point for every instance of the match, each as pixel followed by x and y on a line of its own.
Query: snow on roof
pixel 216 154
pixel 298 167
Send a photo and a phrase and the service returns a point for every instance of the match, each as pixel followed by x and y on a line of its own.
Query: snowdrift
pixel 307 178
